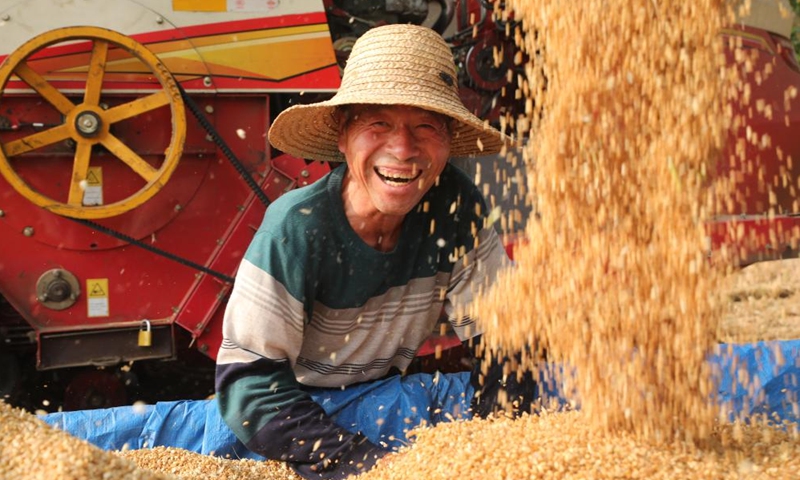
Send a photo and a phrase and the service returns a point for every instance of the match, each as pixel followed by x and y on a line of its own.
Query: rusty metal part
pixel 57 289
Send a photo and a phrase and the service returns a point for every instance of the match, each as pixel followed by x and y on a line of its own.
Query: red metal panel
pixel 204 199
pixel 762 152
pixel 753 239
pixel 203 309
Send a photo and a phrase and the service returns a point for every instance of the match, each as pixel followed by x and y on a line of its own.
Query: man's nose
pixel 403 144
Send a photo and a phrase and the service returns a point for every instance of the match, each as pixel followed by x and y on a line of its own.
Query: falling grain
pixel 613 278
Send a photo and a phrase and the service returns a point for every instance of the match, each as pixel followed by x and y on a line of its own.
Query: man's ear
pixel 341 121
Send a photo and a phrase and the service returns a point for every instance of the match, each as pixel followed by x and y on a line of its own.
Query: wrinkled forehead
pixel 351 112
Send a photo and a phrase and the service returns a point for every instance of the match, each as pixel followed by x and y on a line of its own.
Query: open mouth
pixel 397 178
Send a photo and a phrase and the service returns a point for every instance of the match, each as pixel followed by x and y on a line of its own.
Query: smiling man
pixel 346 278
pixel 394 155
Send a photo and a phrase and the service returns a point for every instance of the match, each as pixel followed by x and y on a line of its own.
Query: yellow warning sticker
pixel 97 297
pixel 95 176
pixel 97 287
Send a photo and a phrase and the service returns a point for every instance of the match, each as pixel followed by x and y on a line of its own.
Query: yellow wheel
pixel 88 123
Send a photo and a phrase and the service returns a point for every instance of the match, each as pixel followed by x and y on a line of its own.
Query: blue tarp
pixel 759 378
pixel 383 411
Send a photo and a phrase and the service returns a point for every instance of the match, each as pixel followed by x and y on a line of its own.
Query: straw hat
pixel 388 65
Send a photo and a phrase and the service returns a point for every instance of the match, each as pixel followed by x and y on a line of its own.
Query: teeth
pixel 396 175
pixel 396 178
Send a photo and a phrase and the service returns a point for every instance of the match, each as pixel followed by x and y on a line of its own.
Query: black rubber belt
pixel 218 140
pixel 150 248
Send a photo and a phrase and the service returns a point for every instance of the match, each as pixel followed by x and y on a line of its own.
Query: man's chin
pixel 398 209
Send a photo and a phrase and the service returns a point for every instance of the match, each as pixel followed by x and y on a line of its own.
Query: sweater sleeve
pixel 265 407
pixel 259 396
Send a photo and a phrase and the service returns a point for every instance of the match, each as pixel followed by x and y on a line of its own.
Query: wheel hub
pixel 88 124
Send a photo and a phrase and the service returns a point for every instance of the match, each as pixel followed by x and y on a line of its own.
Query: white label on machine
pixel 93 188
pixel 97 297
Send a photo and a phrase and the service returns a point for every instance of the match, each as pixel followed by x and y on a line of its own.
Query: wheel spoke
pixel 80 169
pixel 97 68
pixel 36 140
pixel 137 163
pixel 49 92
pixel 136 107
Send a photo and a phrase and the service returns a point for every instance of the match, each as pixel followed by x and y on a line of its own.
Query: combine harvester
pixel 134 169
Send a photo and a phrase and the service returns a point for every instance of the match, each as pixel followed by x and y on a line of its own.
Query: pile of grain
pixel 188 465
pixel 32 450
pixel 566 446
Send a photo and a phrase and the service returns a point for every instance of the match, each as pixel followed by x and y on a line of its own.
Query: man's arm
pixel 265 407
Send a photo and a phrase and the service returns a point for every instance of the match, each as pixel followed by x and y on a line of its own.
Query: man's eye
pixel 430 127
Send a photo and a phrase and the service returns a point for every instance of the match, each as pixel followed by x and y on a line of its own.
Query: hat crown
pixel 384 60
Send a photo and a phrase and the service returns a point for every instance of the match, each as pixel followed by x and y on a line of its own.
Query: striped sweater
pixel 314 306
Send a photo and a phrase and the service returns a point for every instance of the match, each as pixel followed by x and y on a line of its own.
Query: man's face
pixel 394 154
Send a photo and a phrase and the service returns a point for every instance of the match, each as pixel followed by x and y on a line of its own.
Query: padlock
pixel 145 334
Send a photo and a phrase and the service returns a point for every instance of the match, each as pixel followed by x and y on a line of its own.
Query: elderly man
pixel 346 278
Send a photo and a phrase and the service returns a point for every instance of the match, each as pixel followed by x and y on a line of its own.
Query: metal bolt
pixel 6 17
pixel 88 123
pixel 209 138
pixel 2 214
pixel 159 20
pixel 178 207
pixel 207 81
pixel 209 109
pixel 27 231
pixel 203 348
pixel 304 173
pixel 43 297
pixel 57 273
pixel 58 290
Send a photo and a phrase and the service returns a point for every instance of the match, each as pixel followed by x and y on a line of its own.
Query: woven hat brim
pixel 311 131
